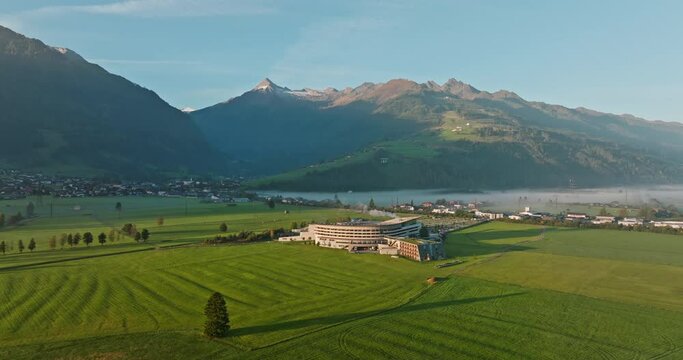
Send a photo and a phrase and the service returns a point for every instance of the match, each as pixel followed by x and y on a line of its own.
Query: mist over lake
pixel 509 200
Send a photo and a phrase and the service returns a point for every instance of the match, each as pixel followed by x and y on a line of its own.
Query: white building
pixel 601 220
pixel 576 216
pixel 630 222
pixel 488 215
pixel 671 224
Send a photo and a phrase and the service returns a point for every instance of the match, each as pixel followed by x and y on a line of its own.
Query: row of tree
pixel 20 246
pixel 74 239
pixel 247 236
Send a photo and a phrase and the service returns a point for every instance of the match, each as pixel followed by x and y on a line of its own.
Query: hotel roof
pixel 399 220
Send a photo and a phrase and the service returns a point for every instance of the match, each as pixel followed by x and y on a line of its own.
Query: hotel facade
pixel 396 236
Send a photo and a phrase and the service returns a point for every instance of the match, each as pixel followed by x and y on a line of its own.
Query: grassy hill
pixel 586 294
pixel 480 158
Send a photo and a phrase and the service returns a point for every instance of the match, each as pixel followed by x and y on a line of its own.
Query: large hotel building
pixel 397 236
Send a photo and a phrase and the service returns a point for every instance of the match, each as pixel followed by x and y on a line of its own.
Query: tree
pixel 119 208
pixel 160 221
pixel 21 246
pixel 62 241
pixel 87 238
pixel 144 234
pixel 371 204
pixel 217 322
pixel 223 227
pixel 112 235
pixel 30 209
pixel 70 240
pixel 102 238
pixel 138 236
pixel 623 213
pixel 52 243
pixel 32 244
pixel 294 225
pixel 424 232
pixel 603 212
pixel 3 247
pixel 2 220
pixel 77 238
pixel 129 229
pixel 270 203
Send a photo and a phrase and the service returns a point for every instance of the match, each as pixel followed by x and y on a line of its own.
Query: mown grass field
pixel 522 292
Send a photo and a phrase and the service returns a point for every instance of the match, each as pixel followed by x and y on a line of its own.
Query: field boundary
pixel 85 257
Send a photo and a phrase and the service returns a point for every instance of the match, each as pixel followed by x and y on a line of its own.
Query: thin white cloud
pixel 159 8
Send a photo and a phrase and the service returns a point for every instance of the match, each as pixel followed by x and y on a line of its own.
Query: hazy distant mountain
pixel 402 134
pixel 272 129
pixel 61 113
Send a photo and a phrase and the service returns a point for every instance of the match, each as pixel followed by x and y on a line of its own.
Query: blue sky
pixel 616 56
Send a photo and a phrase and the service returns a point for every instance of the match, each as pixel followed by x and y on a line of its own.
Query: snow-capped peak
pixel 267 85
pixel 61 50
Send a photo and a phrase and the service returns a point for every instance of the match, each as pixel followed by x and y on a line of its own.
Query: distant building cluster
pixel 396 237
pixel 15 184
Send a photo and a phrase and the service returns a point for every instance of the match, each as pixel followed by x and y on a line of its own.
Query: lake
pixel 507 200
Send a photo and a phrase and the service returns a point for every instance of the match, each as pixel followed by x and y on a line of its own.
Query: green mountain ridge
pixel 63 114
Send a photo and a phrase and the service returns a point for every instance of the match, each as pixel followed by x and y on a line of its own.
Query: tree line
pixel 74 239
pixel 247 236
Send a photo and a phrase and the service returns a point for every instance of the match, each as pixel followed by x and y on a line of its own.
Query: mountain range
pixel 61 113
pixel 403 134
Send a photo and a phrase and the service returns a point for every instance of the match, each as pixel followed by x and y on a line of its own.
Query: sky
pixel 614 56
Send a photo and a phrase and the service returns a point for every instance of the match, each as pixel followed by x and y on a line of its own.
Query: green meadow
pixel 522 291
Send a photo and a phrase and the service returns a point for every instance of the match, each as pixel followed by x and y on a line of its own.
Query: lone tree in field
pixel 21 246
pixel 223 227
pixel 144 234
pixel 102 238
pixel 217 323
pixel 87 238
pixel 3 247
pixel 118 208
pixel 32 244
